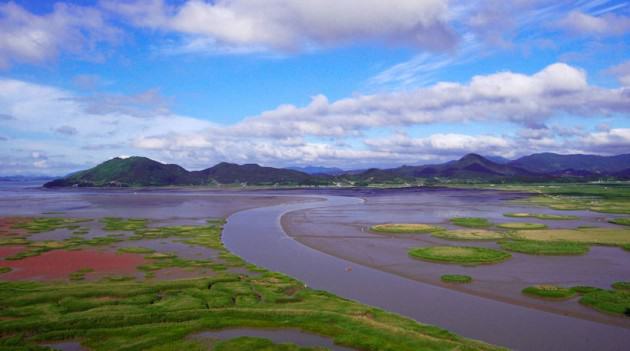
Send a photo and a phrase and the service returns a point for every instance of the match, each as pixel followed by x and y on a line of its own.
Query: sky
pixel 341 83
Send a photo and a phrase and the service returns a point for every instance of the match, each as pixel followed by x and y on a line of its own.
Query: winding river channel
pixel 257 236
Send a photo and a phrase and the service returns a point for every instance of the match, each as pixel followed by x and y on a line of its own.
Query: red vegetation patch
pixel 6 224
pixel 58 264
pixel 6 251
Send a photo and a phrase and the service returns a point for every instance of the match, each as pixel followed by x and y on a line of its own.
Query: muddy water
pixel 507 324
pixel 295 336
pixel 344 232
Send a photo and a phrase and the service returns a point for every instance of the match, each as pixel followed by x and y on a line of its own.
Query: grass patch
pixel 522 226
pixel 549 291
pixel 405 228
pixel 245 343
pixel 533 247
pixel 597 236
pixel 468 234
pixel 471 222
pixel 621 221
pixel 136 250
pixel 608 301
pixel 621 286
pixel 125 224
pixel 46 224
pixel 465 255
pixel 456 278
pixel 120 313
pixel 4 269
pixel 14 241
pixel 582 289
pixel 540 216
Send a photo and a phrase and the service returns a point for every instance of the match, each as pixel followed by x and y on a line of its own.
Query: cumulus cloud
pixel 610 142
pixel 621 72
pixel 295 25
pixel 324 132
pixel 604 25
pixel 525 99
pixel 66 130
pixel 146 104
pixel 442 144
pixel 33 38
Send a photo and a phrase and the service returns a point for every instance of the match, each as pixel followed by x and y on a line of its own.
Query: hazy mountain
pixel 550 162
pixel 471 166
pixel 318 170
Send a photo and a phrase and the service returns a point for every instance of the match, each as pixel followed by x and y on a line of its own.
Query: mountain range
pixel 142 171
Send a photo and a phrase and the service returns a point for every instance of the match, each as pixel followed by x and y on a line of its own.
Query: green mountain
pixel 142 171
pixel 131 171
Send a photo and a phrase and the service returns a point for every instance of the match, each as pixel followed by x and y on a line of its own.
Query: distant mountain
pixel 318 170
pixel 498 159
pixel 550 162
pixel 142 171
pixel 469 167
pixel 227 173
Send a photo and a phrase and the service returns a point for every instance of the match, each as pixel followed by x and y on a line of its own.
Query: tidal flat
pixel 168 232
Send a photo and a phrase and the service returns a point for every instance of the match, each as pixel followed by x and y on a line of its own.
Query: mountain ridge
pixel 142 171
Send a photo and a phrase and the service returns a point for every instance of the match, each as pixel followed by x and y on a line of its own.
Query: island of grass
pixel 549 291
pixel 136 250
pixel 122 313
pixel 621 286
pixel 540 216
pixel 522 226
pixel 621 221
pixel 464 255
pixel 468 234
pixel 596 236
pixel 471 222
pixel 405 228
pixel 456 278
pixel 608 301
pixel 533 247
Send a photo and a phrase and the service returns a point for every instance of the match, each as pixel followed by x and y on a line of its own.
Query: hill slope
pixel 142 171
pixel 550 162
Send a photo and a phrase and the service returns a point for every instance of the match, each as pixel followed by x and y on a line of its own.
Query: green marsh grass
pixel 456 278
pixel 543 216
pixel 522 226
pixel 471 222
pixel 533 247
pixel 468 234
pixel 549 291
pixel 465 255
pixel 405 228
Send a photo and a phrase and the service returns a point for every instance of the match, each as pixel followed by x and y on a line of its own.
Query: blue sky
pixel 345 83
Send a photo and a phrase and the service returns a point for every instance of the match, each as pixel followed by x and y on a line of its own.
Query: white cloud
pixel 604 25
pixel 294 25
pixel 525 99
pixel 622 72
pixel 323 132
pixel 33 38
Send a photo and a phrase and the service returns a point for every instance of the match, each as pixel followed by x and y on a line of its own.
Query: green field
pixel 471 222
pixel 465 255
pixel 127 313
pixel 549 291
pixel 522 226
pixel 533 247
pixel 468 234
pixel 405 228
pixel 456 278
